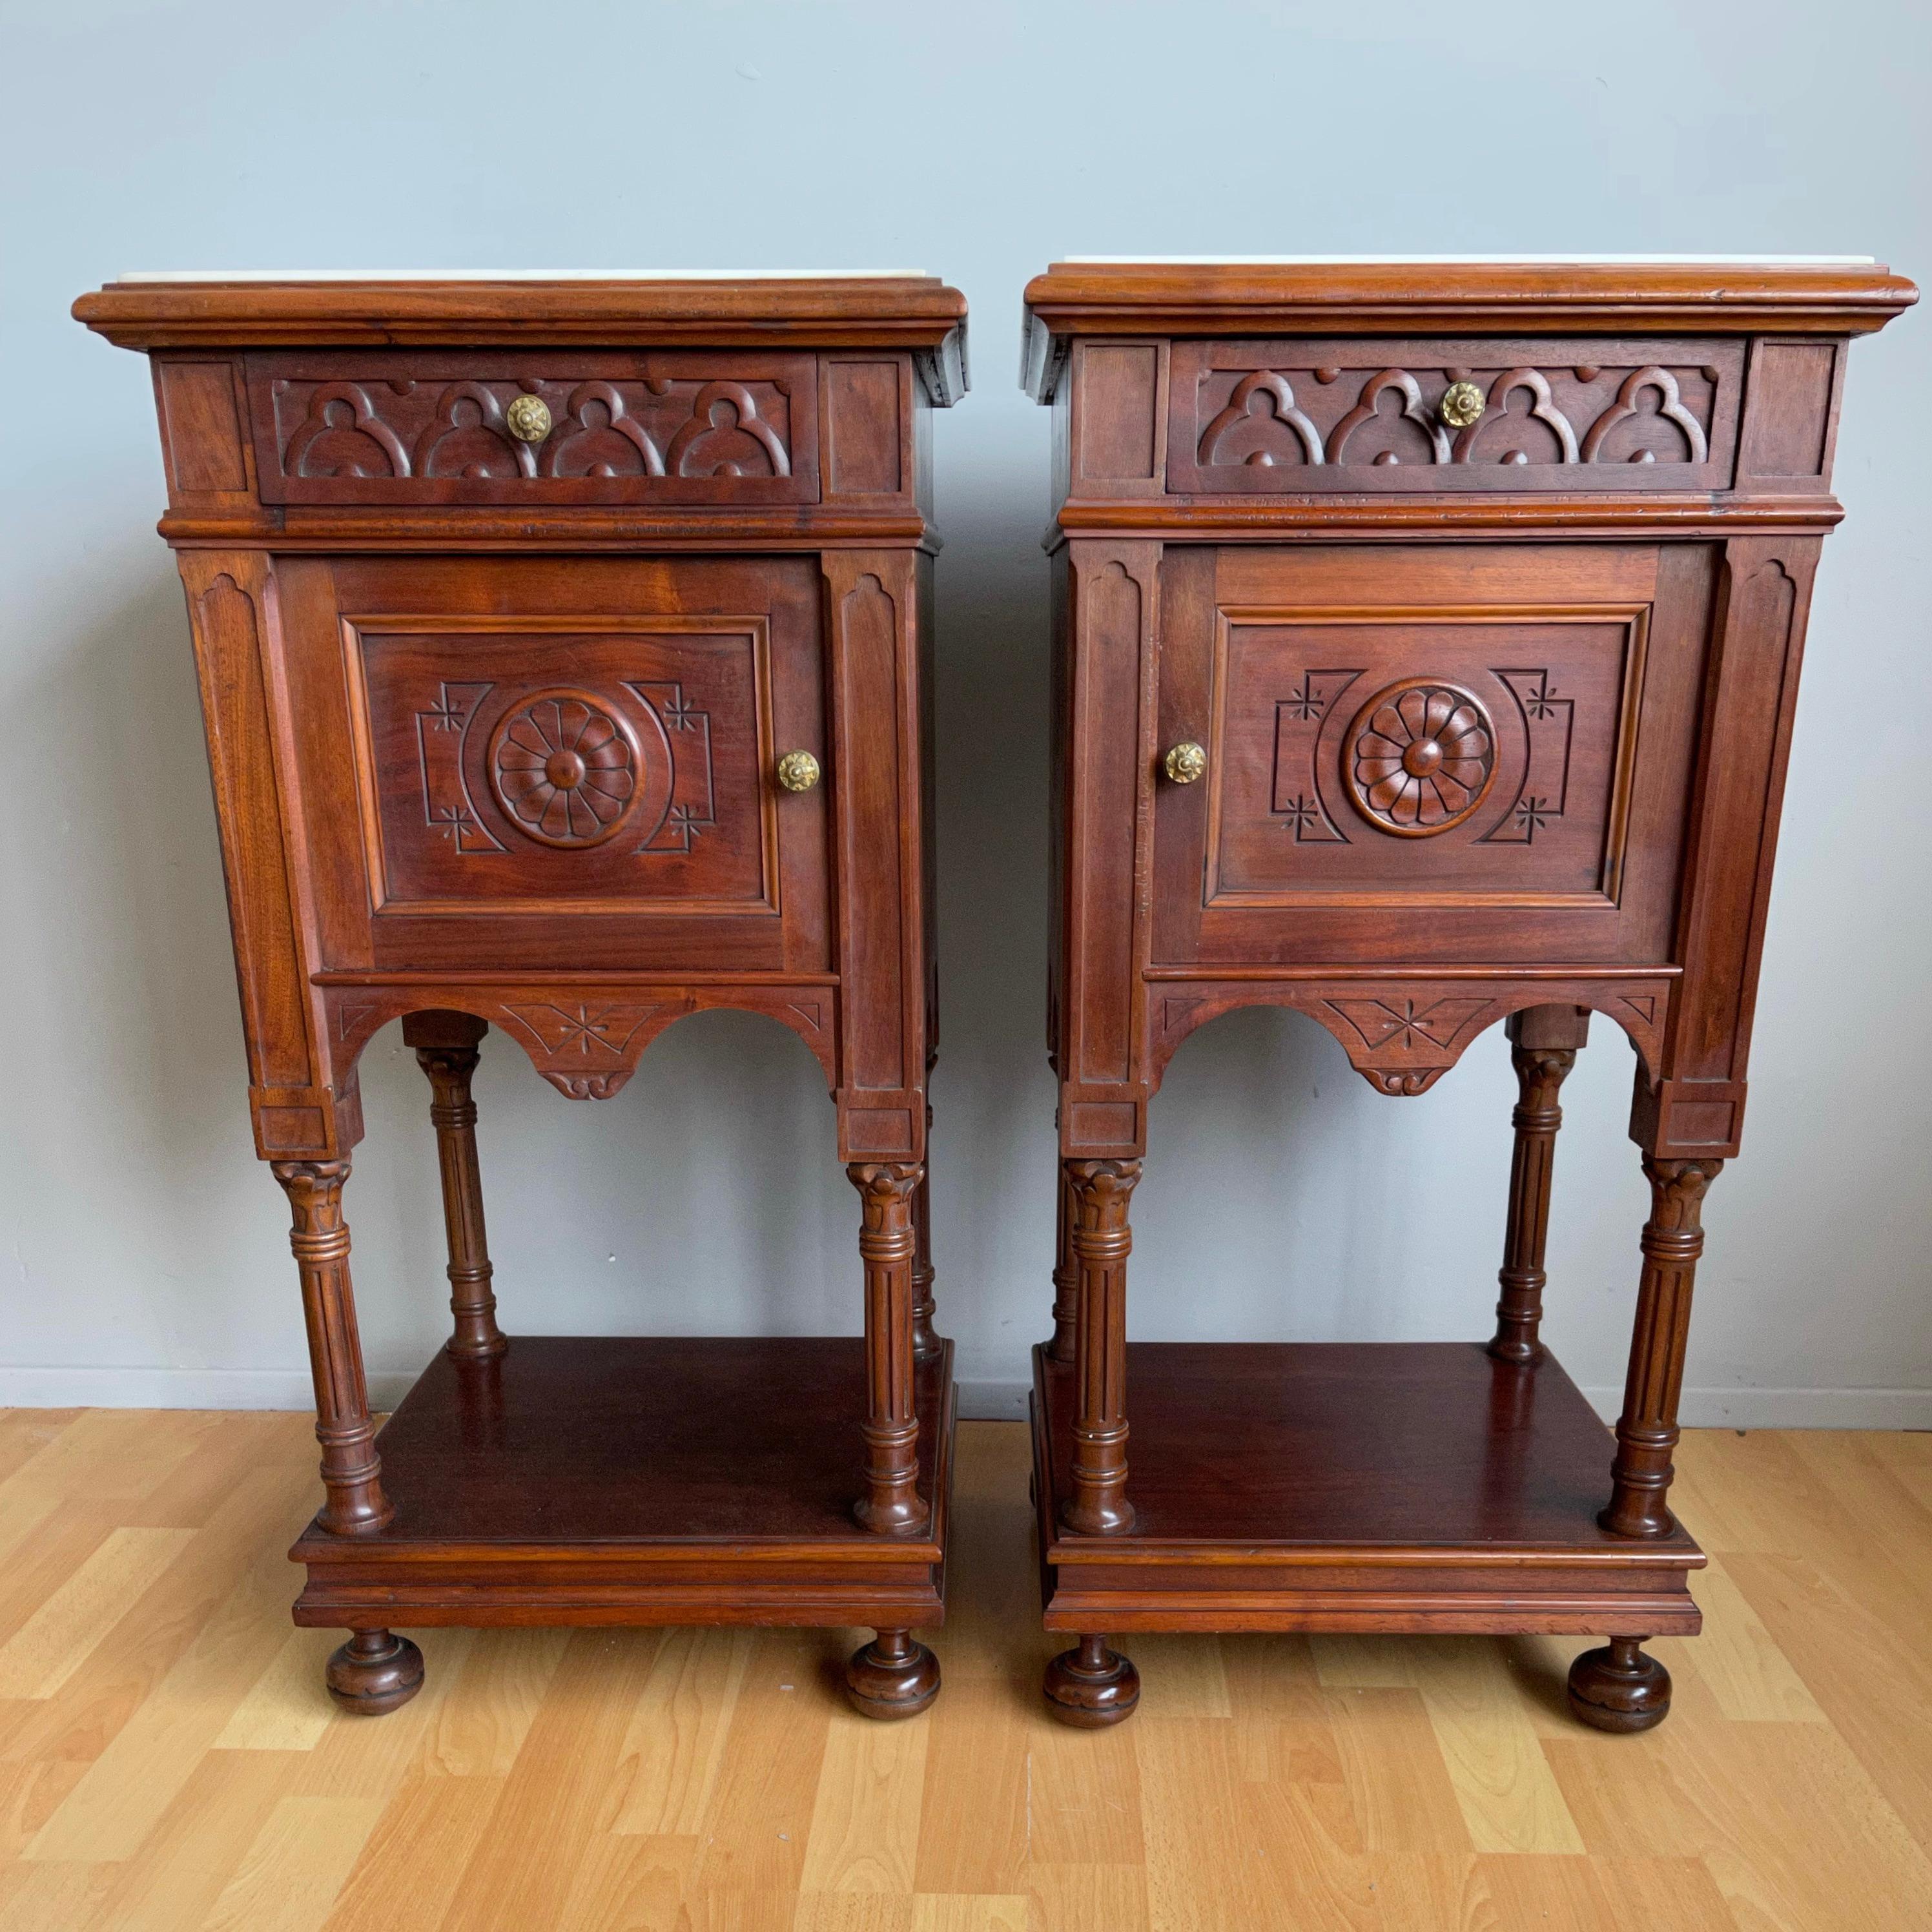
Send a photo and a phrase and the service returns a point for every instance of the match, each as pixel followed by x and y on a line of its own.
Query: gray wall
pixel 142 1251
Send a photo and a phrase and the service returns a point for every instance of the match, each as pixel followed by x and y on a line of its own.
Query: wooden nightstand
pixel 564 654
pixel 1427 640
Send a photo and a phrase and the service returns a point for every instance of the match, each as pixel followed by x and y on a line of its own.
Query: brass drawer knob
pixel 1185 763
pixel 798 771
pixel 529 419
pixel 1462 404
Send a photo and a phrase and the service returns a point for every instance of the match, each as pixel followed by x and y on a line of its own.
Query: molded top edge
pixel 1409 261
pixel 491 309
pixel 1260 295
pixel 258 276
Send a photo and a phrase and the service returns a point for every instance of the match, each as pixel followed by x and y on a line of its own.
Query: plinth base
pixel 1343 1486
pixel 638 1480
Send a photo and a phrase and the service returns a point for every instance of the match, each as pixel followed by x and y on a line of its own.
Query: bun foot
pixel 375 1672
pixel 1092 1686
pixel 892 1676
pixel 1618 1688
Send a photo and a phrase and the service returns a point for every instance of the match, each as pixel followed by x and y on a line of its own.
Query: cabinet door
pixel 559 763
pixel 1428 753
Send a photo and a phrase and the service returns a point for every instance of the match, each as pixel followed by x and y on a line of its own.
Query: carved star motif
pixel 1303 814
pixel 1541 702
pixel 1409 1023
pixel 1531 815
pixel 1307 702
pixel 452 821
pixel 583 1031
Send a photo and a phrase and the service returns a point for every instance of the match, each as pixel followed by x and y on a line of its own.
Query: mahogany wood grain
pixel 891 1503
pixel 1258 418
pixel 508 598
pixel 1618 1688
pixel 352 1471
pixel 1105 301
pixel 1434 1440
pixel 1479 592
pixel 375 1671
pixel 1090 1687
pixel 732 428
pixel 655 1447
pixel 1544 1044
pixel 446 1047
pixel 1673 1238
pixel 1351 1487
pixel 913 313
pixel 1099 1192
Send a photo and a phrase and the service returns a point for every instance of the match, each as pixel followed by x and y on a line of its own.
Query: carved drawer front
pixel 535 427
pixel 533 784
pixel 1293 417
pixel 1421 754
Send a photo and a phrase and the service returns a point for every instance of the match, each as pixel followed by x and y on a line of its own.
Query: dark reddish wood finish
pixel 636 1480
pixel 508 600
pixel 1559 416
pixel 352 1471
pixel 1618 1688
pixel 1544 1044
pixel 446 1047
pixel 1480 591
pixel 374 1672
pixel 1098 1192
pixel 1091 1687
pixel 349 426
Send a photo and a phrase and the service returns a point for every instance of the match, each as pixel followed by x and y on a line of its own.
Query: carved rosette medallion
pixel 1419 758
pixel 564 767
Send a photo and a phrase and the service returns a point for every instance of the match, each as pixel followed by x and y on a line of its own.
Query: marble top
pixel 1624 261
pixel 525 275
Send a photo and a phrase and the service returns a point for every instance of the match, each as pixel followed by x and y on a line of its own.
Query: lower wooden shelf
pixel 1344 1487
pixel 638 1480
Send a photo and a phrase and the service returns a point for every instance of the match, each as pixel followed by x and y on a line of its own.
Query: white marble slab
pixel 525 275
pixel 1578 261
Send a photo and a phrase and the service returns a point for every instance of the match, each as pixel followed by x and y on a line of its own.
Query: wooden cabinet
pixel 563 648
pixel 1427 640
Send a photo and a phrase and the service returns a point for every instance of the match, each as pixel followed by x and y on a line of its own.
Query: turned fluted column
pixel 1673 1238
pixel 891 1504
pixel 352 1471
pixel 1065 1281
pixel 1543 1049
pixel 446 1050
pixel 1099 1191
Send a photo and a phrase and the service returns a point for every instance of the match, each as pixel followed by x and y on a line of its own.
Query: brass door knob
pixel 528 419
pixel 1185 763
pixel 1462 404
pixel 798 771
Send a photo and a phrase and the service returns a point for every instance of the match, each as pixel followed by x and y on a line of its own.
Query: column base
pixel 893 1519
pixel 1107 1518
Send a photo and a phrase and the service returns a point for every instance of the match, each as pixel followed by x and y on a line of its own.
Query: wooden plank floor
pixel 168 1758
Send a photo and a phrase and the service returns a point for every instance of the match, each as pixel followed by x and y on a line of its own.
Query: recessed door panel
pixel 1462 754
pixel 1431 753
pixel 552 765
pixel 538 764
